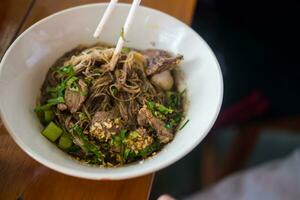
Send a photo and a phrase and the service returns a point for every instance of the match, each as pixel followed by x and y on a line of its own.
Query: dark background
pixel 257 45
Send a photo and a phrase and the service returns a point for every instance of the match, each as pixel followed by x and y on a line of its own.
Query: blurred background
pixel 257 45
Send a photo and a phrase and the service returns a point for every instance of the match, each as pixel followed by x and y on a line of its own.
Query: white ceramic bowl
pixel 24 66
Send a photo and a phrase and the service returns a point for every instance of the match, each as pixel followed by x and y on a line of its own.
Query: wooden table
pixel 22 177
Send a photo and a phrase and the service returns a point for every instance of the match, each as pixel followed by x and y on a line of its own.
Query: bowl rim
pixel 127 174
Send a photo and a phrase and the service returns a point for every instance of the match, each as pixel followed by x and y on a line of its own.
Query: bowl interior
pixel 24 66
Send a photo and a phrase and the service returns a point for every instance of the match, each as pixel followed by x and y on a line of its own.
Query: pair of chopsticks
pixel 125 29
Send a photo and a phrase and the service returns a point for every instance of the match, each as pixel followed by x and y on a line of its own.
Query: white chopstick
pixel 124 32
pixel 105 17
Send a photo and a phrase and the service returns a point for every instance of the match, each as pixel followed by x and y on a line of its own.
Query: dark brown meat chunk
pixel 74 99
pixel 158 61
pixel 145 117
pixel 101 116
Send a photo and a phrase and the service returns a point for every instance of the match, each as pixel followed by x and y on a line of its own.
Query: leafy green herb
pixel 87 146
pixel 126 153
pixel 73 149
pixel 66 72
pixel 174 99
pixel 119 138
pixel 158 110
pixel 175 119
pixel 184 124
pixel 150 149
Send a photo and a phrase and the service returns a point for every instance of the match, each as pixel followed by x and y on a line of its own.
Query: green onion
pixel 163 109
pixel 71 81
pixel 52 132
pixel 184 124
pixel 150 105
pixel 56 100
pixel 66 71
pixel 50 102
pixel 175 120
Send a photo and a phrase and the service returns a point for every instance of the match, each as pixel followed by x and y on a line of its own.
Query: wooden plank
pixel 12 13
pixel 180 9
pixel 22 176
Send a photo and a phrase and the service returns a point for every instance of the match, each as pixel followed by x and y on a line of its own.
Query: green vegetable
pixel 48 116
pixel 158 110
pixel 126 153
pixel 68 78
pixel 50 102
pixel 66 71
pixel 87 146
pixel 42 108
pixel 71 81
pixel 56 100
pixel 119 138
pixel 163 109
pixel 174 99
pixel 175 119
pixel 150 105
pixel 126 50
pixel 52 132
pixel 184 124
pixel 73 149
pixel 65 142
pixel 150 149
